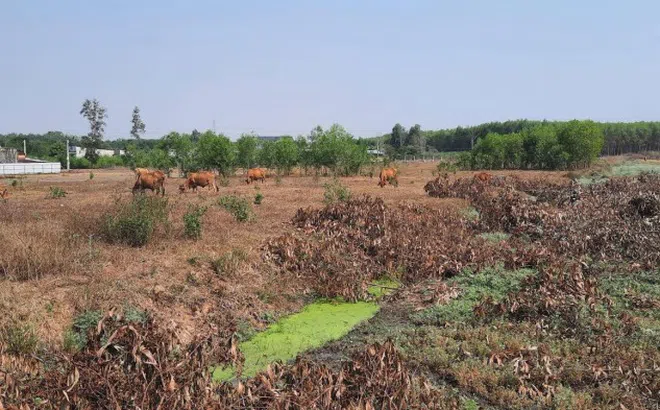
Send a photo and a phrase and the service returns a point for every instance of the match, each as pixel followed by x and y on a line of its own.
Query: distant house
pixel 80 152
pixel 270 138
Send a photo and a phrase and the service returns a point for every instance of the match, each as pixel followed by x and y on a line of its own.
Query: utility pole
pixel 25 148
pixel 68 163
pixel 214 126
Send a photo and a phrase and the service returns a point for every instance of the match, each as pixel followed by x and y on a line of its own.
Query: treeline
pixel 574 144
pixel 620 138
pixel 333 150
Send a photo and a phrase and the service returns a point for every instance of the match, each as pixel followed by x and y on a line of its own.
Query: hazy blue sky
pixel 281 67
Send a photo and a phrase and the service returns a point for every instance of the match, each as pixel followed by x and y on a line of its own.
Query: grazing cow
pixel 140 171
pixel 388 175
pixel 199 179
pixel 255 174
pixel 483 176
pixel 154 181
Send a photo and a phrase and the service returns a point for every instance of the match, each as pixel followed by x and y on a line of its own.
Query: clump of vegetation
pixel 223 181
pixel 133 223
pixel 56 192
pixel 258 198
pixel 76 337
pixel 336 192
pixel 91 175
pixel 239 207
pixel 192 221
pixel 229 263
pixel 494 283
pixel 20 339
pixel 446 166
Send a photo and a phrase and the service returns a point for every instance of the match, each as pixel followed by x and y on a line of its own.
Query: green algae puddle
pixel 312 327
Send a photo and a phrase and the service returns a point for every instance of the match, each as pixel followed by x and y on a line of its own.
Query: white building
pixel 79 152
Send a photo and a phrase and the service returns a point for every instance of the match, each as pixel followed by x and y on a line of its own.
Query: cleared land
pixel 516 293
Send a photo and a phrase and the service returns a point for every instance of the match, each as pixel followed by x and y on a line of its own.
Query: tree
pixel 582 140
pixel 286 154
pixel 216 152
pixel 399 136
pixel 416 139
pixel 179 146
pixel 266 154
pixel 247 146
pixel 96 115
pixel 138 125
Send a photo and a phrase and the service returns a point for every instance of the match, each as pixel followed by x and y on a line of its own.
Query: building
pixel 376 152
pixel 8 155
pixel 79 152
pixel 270 138
pixel 15 162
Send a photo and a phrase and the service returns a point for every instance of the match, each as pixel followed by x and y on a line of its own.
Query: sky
pixel 283 67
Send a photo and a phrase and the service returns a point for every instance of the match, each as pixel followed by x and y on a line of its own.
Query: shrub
pixel 258 198
pixel 237 206
pixel 20 339
pixel 192 221
pixel 229 263
pixel 133 223
pixel 109 162
pixel 91 175
pixel 76 337
pixel 56 192
pixel 336 192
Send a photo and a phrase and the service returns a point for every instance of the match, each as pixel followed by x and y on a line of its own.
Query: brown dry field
pixel 35 232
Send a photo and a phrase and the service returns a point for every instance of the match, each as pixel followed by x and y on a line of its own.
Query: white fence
pixel 30 168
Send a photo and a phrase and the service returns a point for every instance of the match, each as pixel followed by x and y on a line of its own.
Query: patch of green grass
pixel 258 198
pixel 382 287
pixel 470 213
pixel 76 337
pixel 494 282
pixel 315 325
pixel 634 168
pixel 495 236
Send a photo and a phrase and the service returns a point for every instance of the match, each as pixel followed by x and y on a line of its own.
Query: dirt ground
pixel 171 276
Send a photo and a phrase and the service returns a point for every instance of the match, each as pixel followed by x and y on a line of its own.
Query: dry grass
pixel 79 274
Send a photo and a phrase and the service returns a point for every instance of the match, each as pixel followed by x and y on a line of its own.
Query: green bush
pixel 335 192
pixel 192 221
pixel 258 198
pixel 133 223
pixel 80 163
pixel 91 175
pixel 109 162
pixel 56 192
pixel 237 206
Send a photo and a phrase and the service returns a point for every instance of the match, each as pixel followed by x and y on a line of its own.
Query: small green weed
pixel 56 192
pixel 134 314
pixel 258 198
pixel 192 221
pixel 495 236
pixel 470 213
pixel 91 175
pixel 20 339
pixel 237 206
pixel 335 192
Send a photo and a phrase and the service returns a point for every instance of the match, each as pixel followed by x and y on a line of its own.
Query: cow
pixel 199 179
pixel 255 174
pixel 154 181
pixel 388 175
pixel 483 177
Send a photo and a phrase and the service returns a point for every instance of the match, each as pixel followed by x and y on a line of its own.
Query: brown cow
pixel 154 181
pixel 255 174
pixel 199 179
pixel 483 176
pixel 388 175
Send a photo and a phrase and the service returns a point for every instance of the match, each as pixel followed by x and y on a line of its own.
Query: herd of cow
pixel 155 180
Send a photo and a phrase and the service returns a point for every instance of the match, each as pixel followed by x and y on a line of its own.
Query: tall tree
pixel 216 152
pixel 247 150
pixel 399 136
pixel 138 125
pixel 95 113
